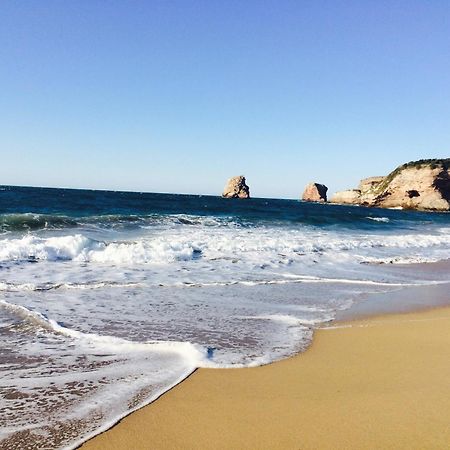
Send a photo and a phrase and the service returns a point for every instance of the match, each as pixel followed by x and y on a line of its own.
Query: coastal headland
pixel 422 185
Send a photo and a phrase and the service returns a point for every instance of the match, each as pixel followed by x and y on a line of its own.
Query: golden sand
pixel 380 383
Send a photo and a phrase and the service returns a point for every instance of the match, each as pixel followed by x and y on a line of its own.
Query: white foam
pixel 292 321
pixel 32 247
pixel 82 249
pixel 17 287
pixel 118 345
pixel 128 369
pixel 402 260
pixel 102 307
pixel 260 247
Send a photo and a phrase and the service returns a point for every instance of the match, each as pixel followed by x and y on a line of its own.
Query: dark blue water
pixel 63 207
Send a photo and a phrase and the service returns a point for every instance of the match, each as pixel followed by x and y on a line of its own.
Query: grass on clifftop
pixel 432 163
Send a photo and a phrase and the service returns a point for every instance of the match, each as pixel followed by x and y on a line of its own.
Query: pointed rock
pixel 236 188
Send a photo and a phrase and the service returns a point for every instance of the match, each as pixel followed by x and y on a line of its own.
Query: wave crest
pixel 257 248
pixel 83 249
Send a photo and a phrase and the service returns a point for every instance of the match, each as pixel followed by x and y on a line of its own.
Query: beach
pixel 378 382
pixel 105 308
pixel 225 225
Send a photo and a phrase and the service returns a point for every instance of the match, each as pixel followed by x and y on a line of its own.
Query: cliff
pixel 423 185
pixel 350 197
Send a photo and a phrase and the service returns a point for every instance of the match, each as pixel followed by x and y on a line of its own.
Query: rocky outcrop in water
pixel 423 185
pixel 315 192
pixel 236 188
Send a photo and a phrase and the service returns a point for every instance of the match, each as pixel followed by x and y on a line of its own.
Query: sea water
pixel 108 299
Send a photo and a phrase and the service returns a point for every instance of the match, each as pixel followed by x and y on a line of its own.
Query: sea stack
pixel 236 188
pixel 315 192
pixel 423 185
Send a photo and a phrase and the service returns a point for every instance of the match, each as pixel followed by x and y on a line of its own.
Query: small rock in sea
pixel 236 188
pixel 315 192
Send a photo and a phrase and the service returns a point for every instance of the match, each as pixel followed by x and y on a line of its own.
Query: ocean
pixel 108 299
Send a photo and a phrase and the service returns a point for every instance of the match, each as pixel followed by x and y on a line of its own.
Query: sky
pixel 178 96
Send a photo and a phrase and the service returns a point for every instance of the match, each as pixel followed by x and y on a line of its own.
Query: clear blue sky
pixel 176 96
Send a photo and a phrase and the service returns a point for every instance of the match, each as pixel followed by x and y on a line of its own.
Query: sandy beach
pixel 381 382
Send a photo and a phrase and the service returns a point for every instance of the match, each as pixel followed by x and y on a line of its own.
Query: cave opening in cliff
pixel 413 193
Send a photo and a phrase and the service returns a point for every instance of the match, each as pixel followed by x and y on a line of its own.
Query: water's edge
pixel 127 413
pixel 377 305
pixel 109 299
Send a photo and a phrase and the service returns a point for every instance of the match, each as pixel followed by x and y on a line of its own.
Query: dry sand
pixel 380 383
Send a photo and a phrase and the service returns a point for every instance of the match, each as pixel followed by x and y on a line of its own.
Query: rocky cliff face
pixel 368 184
pixel 418 185
pixel 350 197
pixel 315 192
pixel 423 185
pixel 236 188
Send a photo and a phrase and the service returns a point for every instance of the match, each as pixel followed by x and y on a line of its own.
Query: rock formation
pixel 423 185
pixel 368 184
pixel 351 197
pixel 315 192
pixel 236 188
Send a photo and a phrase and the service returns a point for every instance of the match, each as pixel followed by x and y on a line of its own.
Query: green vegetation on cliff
pixel 435 163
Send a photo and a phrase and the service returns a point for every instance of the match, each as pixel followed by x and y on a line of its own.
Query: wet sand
pixel 376 383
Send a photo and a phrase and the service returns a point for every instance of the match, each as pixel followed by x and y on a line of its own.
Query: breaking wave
pixel 380 219
pixel 83 249
pixel 258 246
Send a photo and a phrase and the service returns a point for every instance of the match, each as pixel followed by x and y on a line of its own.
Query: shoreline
pixel 266 406
pixel 408 299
